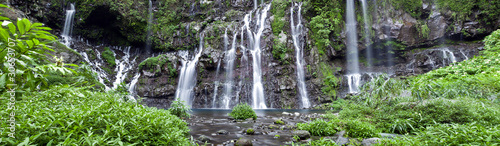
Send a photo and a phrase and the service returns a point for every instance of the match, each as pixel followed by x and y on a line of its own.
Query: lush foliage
pixel 24 53
pixel 320 142
pixel 109 57
pixel 319 127
pixel 325 21
pixel 280 51
pixel 65 115
pixel 243 111
pixel 330 82
pixel 179 109
pixel 359 129
pixel 413 7
pixel 278 9
pixel 156 64
pixel 462 10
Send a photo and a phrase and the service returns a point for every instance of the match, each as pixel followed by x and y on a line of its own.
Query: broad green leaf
pixel 3 6
pixel 27 24
pixel 30 43
pixel 12 28
pixel 3 80
pixel 4 35
pixel 21 26
pixel 4 18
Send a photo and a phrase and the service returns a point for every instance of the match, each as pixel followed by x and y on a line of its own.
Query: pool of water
pixel 208 121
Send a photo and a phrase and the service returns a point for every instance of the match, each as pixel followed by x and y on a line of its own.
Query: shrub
pixel 243 111
pixel 319 127
pixel 358 129
pixel 179 109
pixel 64 115
pixel 109 56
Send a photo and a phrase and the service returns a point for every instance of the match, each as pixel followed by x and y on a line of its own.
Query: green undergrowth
pixel 326 21
pixel 109 57
pixel 279 7
pixel 65 115
pixel 453 105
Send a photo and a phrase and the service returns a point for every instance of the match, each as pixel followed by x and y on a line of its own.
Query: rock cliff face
pixel 418 45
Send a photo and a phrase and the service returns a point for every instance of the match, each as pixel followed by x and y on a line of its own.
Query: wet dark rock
pixel 250 131
pixel 243 142
pixel 370 141
pixel 203 138
pixel 302 134
pixel 222 132
pixel 272 126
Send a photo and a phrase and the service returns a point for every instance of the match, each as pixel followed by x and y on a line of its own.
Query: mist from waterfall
pixel 298 43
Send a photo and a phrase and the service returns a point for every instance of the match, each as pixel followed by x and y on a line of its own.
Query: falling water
pixel 123 66
pixel 448 56
pixel 149 33
pixel 131 86
pixel 216 85
pixel 466 58
pixel 298 43
pixel 187 78
pixel 254 4
pixel 259 101
pixel 352 49
pixel 369 54
pixel 230 59
pixel 68 26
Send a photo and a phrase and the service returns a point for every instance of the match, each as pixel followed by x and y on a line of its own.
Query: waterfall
pixel 149 33
pixel 122 68
pixel 258 98
pixel 448 56
pixel 466 58
pixel 96 67
pixel 369 54
pixel 68 26
pixel 352 49
pixel 187 78
pixel 131 86
pixel 216 85
pixel 298 43
pixel 229 60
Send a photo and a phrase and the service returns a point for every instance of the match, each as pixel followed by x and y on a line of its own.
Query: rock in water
pixel 204 138
pixel 222 132
pixel 302 134
pixel 243 142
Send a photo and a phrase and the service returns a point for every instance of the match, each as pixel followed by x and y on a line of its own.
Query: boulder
pixel 222 132
pixel 370 141
pixel 302 134
pixel 243 142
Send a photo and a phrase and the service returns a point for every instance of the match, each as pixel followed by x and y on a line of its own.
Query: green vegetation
pixel 66 115
pixel 243 111
pixel 109 57
pixel 62 104
pixel 330 82
pixel 179 109
pixel 462 10
pixel 319 127
pixel 280 50
pixel 156 64
pixel 278 9
pixel 413 7
pixel 250 131
pixel 326 21
pixel 279 121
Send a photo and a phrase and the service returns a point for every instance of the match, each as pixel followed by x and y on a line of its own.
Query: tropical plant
pixel 243 111
pixel 24 54
pixel 179 109
pixel 319 127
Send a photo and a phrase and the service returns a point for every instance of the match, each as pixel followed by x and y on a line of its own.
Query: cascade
pixel 298 43
pixel 216 85
pixel 131 86
pixel 149 33
pixel 96 67
pixel 123 66
pixel 68 26
pixel 369 54
pixel 465 56
pixel 352 49
pixel 187 78
pixel 229 60
pixel 258 98
pixel 448 56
